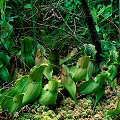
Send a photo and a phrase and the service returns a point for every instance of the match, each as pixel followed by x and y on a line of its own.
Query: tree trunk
pixel 92 29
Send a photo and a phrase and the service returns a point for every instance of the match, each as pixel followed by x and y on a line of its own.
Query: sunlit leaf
pixel 72 70
pixel 35 86
pixel 97 28
pixel 48 72
pixel 28 6
pixel 80 71
pixel 101 11
pixel 112 69
pixel 89 87
pixel 36 72
pixel 21 85
pixel 69 84
pixel 14 104
pixel 102 77
pixel 49 93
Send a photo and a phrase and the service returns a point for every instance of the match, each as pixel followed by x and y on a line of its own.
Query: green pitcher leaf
pixel 80 73
pixel 51 86
pixel 112 69
pixel 36 72
pixel 90 70
pixel 118 105
pixel 21 85
pixel 35 86
pixel 26 45
pixel 69 84
pixel 113 83
pixel 48 72
pixel 73 70
pixel 69 56
pixel 89 87
pixel 83 62
pixel 111 113
pixel 26 52
pixel 14 104
pixel 102 77
pixel 29 60
pixel 42 50
pixel 49 93
pixel 8 94
pixel 4 74
pixel 33 91
pixel 99 95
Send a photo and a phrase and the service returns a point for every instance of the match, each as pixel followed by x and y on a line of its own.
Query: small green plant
pixel 30 87
pixel 26 52
pixel 97 85
pixel 4 63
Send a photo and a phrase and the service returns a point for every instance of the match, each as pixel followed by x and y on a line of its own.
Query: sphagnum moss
pixel 69 110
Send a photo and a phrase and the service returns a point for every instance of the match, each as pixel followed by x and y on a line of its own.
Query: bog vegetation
pixel 49 47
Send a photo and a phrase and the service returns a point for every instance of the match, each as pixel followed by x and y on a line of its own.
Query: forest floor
pixel 67 109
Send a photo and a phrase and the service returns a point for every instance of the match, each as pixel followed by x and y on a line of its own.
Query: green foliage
pixel 80 71
pixel 93 86
pixel 49 93
pixel 60 27
pixel 4 62
pixel 25 90
pixel 14 104
pixel 99 94
pixel 68 83
pixel 30 87
pixel 90 51
pixel 35 86
pixel 69 56
pixel 26 52
pixel 4 74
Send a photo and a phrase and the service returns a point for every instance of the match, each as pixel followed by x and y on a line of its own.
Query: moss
pixel 69 110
